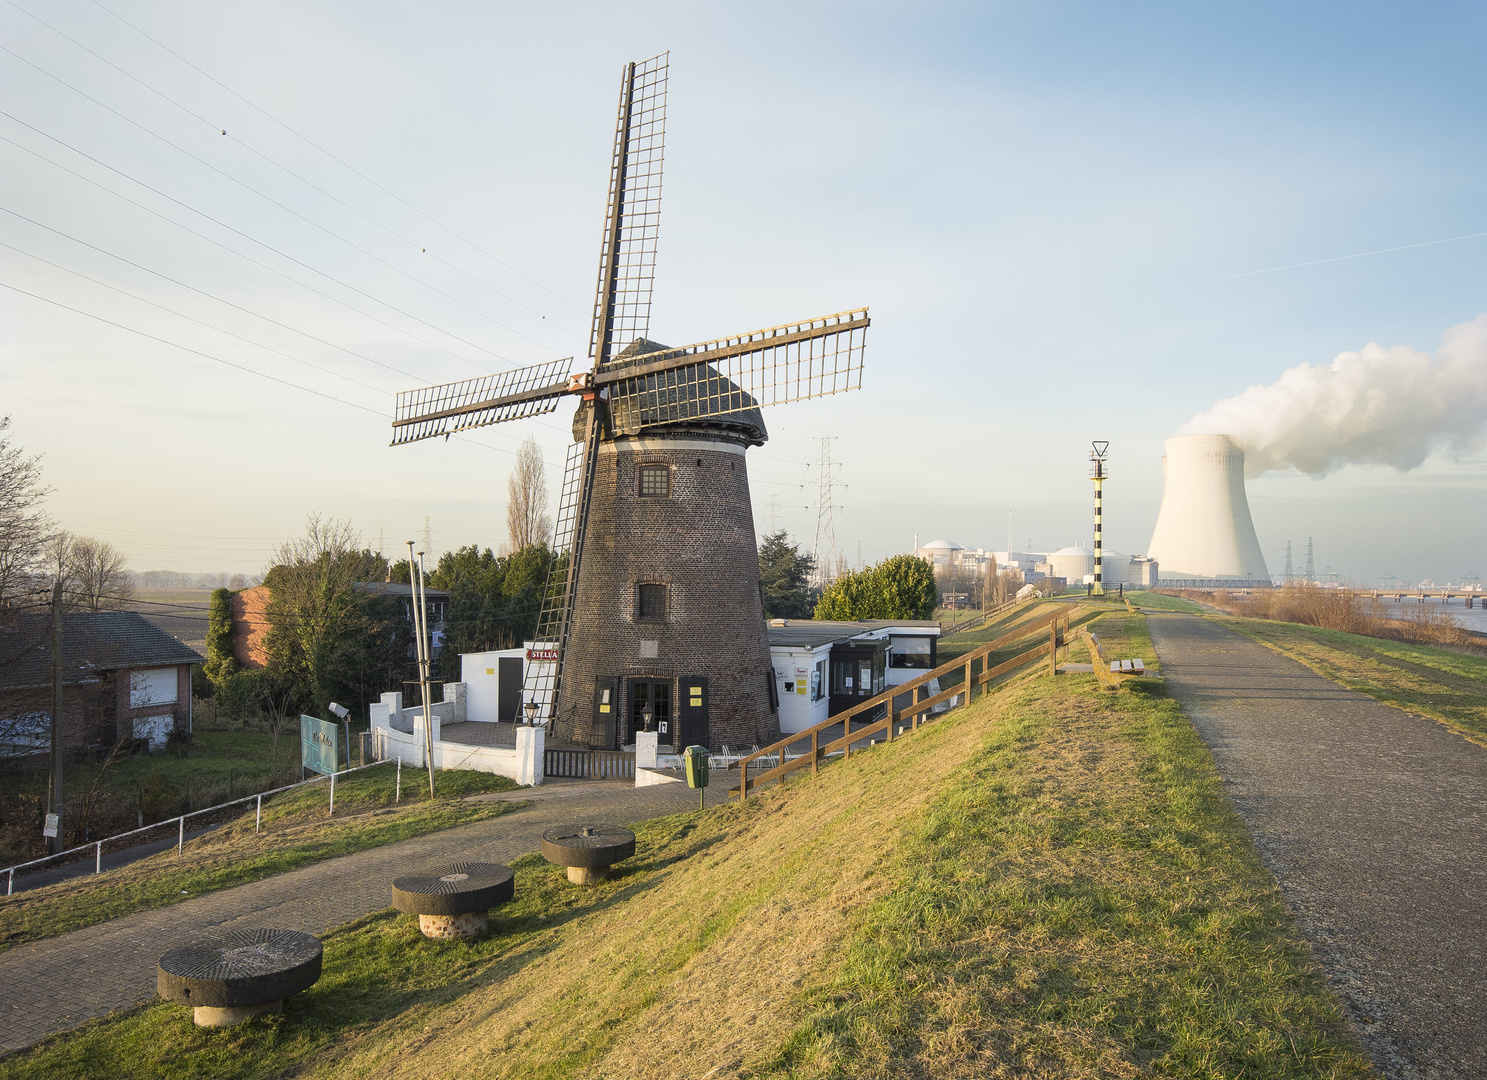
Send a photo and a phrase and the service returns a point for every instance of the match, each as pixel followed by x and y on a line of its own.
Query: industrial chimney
pixel 1204 532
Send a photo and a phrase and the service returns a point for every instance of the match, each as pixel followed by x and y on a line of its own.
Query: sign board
pixel 319 745
pixel 542 654
pixel 50 828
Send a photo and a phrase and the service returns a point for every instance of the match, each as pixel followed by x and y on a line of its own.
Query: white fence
pixel 180 822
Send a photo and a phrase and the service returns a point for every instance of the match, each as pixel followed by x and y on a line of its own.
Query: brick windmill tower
pixel 653 608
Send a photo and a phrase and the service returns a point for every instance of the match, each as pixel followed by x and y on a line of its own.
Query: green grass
pixel 1447 686
pixel 383 983
pixel 1080 901
pixel 1161 602
pixel 297 831
pixel 1046 883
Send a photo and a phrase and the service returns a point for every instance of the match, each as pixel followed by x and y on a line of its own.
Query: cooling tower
pixel 1204 531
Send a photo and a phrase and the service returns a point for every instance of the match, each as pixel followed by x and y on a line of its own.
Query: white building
pixel 822 668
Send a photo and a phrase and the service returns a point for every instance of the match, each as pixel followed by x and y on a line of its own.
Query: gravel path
pixel 1372 821
pixel 54 985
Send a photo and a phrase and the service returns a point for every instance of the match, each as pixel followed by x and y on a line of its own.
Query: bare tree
pixel 99 574
pixel 24 526
pixel 527 522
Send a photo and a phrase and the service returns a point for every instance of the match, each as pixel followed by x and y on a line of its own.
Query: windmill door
pixel 606 714
pixel 653 695
pixel 692 706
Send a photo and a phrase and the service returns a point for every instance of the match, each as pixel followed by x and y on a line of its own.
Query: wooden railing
pixel 1054 627
pixel 977 621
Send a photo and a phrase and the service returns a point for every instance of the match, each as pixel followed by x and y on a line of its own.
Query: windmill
pixel 654 596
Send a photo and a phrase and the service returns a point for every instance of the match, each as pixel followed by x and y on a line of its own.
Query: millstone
pixel 239 973
pixel 454 888
pixel 587 850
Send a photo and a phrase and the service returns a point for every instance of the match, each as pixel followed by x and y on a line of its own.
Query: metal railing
pixel 180 822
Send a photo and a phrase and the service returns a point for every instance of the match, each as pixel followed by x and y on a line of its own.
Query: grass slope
pixel 1444 685
pixel 1046 883
pixel 297 831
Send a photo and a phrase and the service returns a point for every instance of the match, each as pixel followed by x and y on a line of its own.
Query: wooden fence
pixel 1053 628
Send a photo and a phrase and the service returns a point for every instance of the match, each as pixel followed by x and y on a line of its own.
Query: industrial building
pixel 1204 534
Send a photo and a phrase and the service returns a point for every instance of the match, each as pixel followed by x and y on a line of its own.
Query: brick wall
pixel 700 544
pixel 250 626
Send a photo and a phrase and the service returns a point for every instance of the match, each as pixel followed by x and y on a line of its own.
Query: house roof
pixel 91 642
pixel 813 633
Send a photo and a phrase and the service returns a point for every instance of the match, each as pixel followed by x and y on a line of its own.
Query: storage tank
pixel 1072 564
pixel 1204 531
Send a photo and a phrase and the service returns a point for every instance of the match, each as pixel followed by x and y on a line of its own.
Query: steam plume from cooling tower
pixel 1376 406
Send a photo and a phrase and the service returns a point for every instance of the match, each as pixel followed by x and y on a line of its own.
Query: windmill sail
pixel 627 254
pixel 732 375
pixel 490 399
pixel 540 684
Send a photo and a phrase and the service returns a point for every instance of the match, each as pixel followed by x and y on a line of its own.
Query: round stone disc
pixel 453 888
pixel 239 968
pixel 587 845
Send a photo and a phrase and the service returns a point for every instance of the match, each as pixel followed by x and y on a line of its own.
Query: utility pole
pixel 1311 566
pixel 420 629
pixel 1286 577
pixel 56 814
pixel 825 546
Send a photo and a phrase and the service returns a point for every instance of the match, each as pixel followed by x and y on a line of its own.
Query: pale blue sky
pixel 1045 206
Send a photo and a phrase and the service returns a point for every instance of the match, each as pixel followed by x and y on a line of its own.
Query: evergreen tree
pixel 784 576
pixel 220 659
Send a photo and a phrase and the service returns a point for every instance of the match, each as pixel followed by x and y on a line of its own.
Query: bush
pixel 240 696
pixel 159 798
pixel 902 587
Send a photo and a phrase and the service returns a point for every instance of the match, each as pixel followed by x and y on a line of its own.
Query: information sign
pixel 50 828
pixel 319 745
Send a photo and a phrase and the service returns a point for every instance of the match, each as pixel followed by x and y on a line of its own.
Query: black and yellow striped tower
pixel 1097 473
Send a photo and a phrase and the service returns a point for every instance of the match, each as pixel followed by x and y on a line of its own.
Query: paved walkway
pixel 1372 820
pixel 58 984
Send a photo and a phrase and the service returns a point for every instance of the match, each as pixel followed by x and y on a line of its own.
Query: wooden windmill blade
pixel 714 378
pixel 632 222
pixel 622 313
pixel 470 403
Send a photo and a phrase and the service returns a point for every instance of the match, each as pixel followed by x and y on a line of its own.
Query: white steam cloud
pixel 1376 406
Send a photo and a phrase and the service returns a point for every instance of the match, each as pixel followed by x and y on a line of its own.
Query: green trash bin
pixel 696 759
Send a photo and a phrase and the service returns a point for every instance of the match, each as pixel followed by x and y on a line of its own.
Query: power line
pixel 251 240
pixel 275 202
pixel 202 292
pixel 310 142
pixel 184 348
pixel 279 165
pixel 199 322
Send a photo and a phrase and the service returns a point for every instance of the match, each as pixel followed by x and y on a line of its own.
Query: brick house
pixel 122 677
pixel 250 621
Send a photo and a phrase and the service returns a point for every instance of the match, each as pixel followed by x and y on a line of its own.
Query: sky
pixel 233 232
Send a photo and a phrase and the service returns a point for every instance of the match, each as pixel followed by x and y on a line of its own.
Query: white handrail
pixel 97 845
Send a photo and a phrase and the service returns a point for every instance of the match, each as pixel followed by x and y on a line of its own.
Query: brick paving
pixel 1372 821
pixel 55 985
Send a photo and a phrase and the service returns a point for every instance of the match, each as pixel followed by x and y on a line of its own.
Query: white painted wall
pixel 800 707
pixel 522 764
pixel 481 673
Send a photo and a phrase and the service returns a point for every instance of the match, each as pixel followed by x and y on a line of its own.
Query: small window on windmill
pixel 655 482
pixel 651 602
